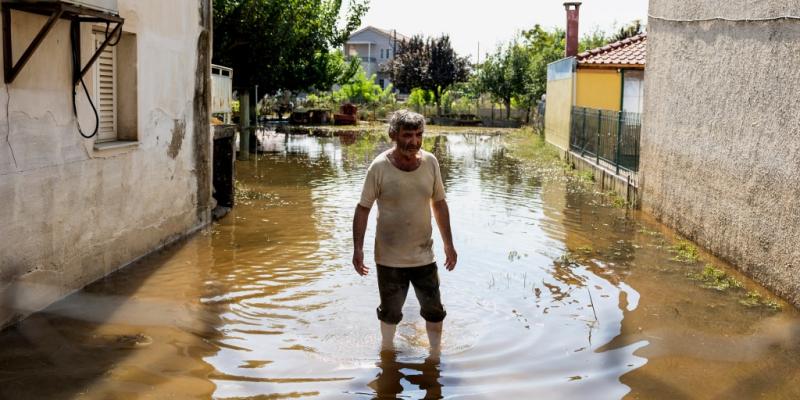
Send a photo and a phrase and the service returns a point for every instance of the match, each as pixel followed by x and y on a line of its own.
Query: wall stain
pixel 178 132
pixel 201 106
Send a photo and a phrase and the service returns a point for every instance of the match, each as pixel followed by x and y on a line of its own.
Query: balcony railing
pixel 610 136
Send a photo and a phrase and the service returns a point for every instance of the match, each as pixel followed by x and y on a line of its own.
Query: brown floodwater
pixel 558 294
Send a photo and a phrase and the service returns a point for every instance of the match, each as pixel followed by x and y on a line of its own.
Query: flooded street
pixel 558 294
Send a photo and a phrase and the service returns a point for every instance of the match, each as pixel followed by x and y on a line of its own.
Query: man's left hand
pixel 451 257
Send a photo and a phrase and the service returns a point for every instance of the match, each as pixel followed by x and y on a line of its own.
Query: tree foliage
pixel 284 44
pixel 364 91
pixel 517 72
pixel 430 64
pixel 630 30
pixel 419 98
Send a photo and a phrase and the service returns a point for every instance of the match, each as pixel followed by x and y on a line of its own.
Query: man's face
pixel 409 141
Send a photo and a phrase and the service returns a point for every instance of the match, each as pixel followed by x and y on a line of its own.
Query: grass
pixel 585 176
pixel 649 232
pixel 754 299
pixel 527 145
pixel 716 279
pixel 685 252
pixel 617 201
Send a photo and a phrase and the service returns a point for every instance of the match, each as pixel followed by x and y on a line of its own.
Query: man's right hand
pixel 358 262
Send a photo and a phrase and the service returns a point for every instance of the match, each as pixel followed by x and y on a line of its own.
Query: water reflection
pixel 558 295
pixel 395 377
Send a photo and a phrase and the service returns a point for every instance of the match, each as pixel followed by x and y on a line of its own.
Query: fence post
pixel 583 133
pixel 599 127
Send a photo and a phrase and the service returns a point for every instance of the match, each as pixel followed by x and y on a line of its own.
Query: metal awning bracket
pixel 114 33
pixel 10 68
pixel 54 11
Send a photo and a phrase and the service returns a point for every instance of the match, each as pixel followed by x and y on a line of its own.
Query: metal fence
pixel 610 136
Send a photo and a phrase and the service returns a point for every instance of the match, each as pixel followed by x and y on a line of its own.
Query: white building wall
pixel 71 213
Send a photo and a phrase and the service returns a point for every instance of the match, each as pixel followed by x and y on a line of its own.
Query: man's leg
pixel 393 288
pixel 434 330
pixel 387 336
pixel 426 287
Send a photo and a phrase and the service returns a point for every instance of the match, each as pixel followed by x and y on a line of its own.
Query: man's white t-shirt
pixel 403 237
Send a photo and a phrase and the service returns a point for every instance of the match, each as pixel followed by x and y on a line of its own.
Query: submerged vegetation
pixel 527 145
pixel 714 278
pixel 754 299
pixel 685 252
pixel 617 201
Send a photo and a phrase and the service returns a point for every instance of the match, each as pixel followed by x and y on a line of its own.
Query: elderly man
pixel 407 184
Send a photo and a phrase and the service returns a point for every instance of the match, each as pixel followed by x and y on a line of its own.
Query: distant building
pixel 376 47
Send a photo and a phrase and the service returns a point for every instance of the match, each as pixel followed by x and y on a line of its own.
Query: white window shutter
pixel 105 90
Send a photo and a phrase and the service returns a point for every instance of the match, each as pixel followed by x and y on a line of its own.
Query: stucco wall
pixel 598 88
pixel 72 214
pixel 721 133
pixel 558 112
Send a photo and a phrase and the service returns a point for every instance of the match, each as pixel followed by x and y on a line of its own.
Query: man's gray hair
pixel 405 119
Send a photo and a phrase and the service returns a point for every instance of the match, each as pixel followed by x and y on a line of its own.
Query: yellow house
pixel 611 77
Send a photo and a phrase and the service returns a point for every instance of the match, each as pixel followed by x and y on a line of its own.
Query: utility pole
pixel 244 130
pixel 478 100
pixel 256 129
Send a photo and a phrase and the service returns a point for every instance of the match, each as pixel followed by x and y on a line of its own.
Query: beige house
pixel 73 208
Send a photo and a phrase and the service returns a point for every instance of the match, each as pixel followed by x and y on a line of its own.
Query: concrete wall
pixel 558 112
pixel 721 134
pixel 598 88
pixel 72 213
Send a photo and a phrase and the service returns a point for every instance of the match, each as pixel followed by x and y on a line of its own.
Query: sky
pixel 470 22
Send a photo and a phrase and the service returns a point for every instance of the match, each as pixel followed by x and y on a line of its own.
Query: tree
pixel 507 74
pixel 284 45
pixel 420 98
pixel 630 30
pixel 363 90
pixel 431 65
pixel 544 47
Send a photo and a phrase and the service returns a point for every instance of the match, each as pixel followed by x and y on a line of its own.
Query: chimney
pixel 572 27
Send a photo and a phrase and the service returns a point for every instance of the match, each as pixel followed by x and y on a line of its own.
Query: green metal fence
pixel 610 136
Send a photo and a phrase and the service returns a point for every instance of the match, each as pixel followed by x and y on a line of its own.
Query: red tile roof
pixel 630 51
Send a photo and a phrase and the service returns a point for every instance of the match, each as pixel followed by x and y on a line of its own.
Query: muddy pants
pixel 393 287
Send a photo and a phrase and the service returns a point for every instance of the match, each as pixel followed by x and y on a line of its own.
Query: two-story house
pixel 376 47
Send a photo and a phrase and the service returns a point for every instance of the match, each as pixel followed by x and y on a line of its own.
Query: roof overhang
pixel 610 66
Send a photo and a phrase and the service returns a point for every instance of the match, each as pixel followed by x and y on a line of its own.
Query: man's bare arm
pixel 442 215
pixel 360 219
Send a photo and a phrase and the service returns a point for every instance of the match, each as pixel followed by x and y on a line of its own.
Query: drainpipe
pixel 572 8
pixel 619 115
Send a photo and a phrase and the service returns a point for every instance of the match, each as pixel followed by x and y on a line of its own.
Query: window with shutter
pixel 105 90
